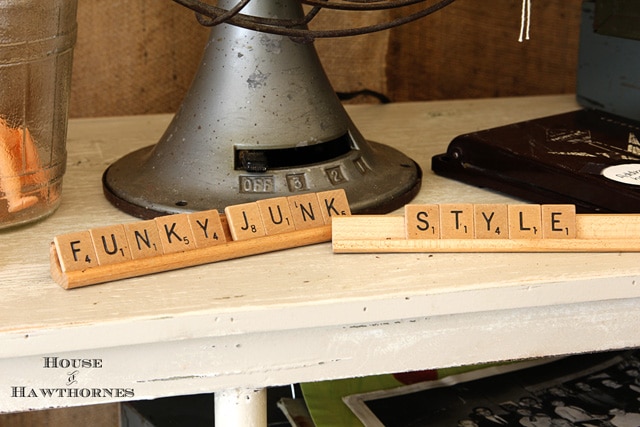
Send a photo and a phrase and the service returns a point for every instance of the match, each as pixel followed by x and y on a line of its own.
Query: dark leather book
pixel 587 158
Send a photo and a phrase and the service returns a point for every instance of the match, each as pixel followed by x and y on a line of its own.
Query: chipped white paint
pixel 309 314
pixel 241 407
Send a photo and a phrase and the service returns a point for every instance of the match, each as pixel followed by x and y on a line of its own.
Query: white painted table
pixel 303 314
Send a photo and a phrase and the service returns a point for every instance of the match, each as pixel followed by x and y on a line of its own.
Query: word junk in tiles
pixel 188 231
pixel 285 214
pixel 490 221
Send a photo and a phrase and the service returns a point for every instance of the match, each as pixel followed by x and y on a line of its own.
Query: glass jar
pixel 36 52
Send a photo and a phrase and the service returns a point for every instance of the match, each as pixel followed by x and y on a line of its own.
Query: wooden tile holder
pixel 178 241
pixel 587 232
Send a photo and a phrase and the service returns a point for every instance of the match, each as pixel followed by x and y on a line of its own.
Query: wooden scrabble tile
pixel 491 221
pixel 175 233
pixel 76 251
pixel 144 239
pixel 225 227
pixel 111 244
pixel 333 203
pixel 245 221
pixel 558 221
pixel 422 221
pixel 456 221
pixel 305 210
pixel 525 221
pixel 207 228
pixel 276 215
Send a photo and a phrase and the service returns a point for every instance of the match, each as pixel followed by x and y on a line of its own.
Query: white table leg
pixel 241 407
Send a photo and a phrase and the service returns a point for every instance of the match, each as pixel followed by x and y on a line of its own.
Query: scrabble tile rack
pixel 380 234
pixel 95 256
pixel 177 241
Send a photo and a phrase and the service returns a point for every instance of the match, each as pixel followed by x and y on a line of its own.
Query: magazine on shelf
pixel 592 390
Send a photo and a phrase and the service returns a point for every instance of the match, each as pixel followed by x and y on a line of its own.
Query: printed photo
pixel 593 390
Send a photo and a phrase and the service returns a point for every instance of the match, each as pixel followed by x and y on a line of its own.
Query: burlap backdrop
pixel 139 56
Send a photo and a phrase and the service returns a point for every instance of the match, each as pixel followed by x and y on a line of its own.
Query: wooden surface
pixel 303 314
pixel 139 56
pixel 388 234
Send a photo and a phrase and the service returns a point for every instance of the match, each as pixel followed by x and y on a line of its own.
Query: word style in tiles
pixel 490 221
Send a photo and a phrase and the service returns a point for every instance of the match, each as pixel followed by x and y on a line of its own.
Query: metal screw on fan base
pixel 261 120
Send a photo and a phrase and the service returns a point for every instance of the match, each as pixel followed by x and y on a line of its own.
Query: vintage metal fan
pixel 261 120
